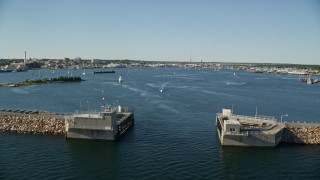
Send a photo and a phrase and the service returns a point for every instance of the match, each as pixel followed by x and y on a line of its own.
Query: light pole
pixel 88 105
pixel 283 116
pixel 256 111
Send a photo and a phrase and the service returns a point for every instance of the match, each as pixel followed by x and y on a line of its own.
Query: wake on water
pixel 19 91
pixel 261 78
pixel 235 83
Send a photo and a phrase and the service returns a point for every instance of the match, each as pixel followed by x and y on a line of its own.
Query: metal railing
pixel 265 118
pixel 259 118
pixel 93 127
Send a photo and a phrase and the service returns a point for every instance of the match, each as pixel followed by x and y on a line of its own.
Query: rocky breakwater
pixel 33 122
pixel 301 134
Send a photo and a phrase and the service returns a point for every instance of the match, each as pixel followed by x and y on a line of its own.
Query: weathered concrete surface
pixel 33 122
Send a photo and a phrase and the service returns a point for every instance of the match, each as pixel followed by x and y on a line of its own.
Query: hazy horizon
pixel 285 32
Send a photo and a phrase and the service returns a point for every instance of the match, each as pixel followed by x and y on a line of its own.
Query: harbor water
pixel 174 136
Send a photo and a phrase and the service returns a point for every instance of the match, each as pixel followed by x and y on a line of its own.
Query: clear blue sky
pixel 273 31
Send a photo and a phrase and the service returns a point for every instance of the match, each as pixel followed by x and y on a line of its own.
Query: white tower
pixel 25 57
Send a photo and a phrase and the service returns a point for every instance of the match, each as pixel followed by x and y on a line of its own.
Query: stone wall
pixel 33 124
pixel 301 135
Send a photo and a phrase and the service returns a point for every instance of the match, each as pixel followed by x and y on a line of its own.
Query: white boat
pixel 298 72
pixel 84 72
pixel 120 79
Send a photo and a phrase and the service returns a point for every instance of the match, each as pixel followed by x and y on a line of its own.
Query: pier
pixel 238 130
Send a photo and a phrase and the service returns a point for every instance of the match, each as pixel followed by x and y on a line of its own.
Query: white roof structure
pixel 235 122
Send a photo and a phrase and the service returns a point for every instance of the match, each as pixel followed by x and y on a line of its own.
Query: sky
pixel 265 31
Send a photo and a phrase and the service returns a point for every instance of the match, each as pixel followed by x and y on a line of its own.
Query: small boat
pixel 120 79
pixel 84 72
pixel 99 72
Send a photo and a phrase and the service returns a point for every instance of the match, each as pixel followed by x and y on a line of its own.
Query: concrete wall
pixel 91 134
pixel 247 140
pixel 93 122
pixel 235 126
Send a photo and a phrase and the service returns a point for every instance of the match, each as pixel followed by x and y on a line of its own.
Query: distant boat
pixel 84 72
pixel 120 79
pixel 5 70
pixel 161 90
pixel 98 72
pixel 234 74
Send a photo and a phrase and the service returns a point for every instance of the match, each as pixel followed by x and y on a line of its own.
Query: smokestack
pixel 25 57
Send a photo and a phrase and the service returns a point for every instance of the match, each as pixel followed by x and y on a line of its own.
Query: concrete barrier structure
pixel 238 130
pixel 109 124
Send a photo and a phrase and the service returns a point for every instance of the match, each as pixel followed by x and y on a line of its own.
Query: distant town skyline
pixel 274 31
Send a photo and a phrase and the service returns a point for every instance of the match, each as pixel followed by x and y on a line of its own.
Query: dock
pixel 263 131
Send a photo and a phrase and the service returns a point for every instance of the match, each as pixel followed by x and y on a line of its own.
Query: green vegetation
pixel 44 81
pixel 294 66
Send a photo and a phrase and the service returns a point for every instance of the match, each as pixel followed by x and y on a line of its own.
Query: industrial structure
pixel 238 130
pixel 109 124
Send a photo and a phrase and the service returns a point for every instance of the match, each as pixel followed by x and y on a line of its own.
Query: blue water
pixel 174 135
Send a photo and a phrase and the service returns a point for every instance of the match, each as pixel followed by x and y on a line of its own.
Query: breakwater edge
pixel 44 122
pixel 32 122
pixel 301 133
